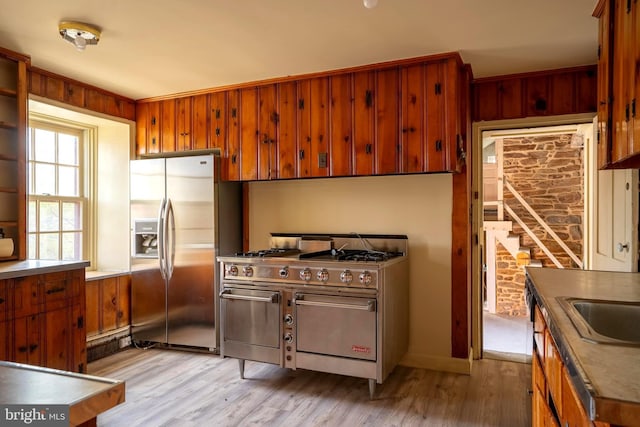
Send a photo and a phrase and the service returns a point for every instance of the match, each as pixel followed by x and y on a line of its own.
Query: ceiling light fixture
pixel 370 4
pixel 79 34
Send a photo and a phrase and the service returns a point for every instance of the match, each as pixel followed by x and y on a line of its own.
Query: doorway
pixel 521 161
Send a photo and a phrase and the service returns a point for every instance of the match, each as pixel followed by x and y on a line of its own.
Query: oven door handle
pixel 369 306
pixel 226 294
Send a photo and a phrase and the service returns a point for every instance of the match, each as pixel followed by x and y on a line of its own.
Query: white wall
pixel 416 205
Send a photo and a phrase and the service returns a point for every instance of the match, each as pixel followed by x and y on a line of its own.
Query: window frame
pixel 86 149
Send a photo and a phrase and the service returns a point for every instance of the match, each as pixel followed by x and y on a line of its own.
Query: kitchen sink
pixel 603 321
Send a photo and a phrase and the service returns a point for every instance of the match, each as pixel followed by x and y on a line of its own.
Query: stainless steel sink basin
pixel 605 322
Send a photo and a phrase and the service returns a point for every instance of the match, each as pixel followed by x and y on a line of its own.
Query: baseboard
pixel 438 363
pixel 103 345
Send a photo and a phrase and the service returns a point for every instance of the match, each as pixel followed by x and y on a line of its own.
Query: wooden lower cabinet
pixel 555 401
pixel 108 304
pixel 44 321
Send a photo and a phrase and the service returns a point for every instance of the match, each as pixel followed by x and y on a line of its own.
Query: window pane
pixel 32 217
pixel 71 245
pixel 45 179
pixel 68 181
pixel 49 246
pixel 49 217
pixel 31 246
pixel 71 216
pixel 45 145
pixel 67 149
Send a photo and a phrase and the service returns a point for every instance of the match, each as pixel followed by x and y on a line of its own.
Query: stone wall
pixel 548 172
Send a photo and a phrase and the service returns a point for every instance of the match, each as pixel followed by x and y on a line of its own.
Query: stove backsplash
pixel 310 242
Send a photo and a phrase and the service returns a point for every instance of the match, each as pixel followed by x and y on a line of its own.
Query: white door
pixel 616 213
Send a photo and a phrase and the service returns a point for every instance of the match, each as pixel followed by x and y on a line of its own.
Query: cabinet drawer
pixel 537 375
pixel 57 289
pixel 539 328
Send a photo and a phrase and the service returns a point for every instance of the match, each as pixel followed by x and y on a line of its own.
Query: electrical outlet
pixel 125 342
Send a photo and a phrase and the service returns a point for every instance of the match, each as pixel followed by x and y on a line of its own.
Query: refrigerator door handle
pixel 161 239
pixel 171 236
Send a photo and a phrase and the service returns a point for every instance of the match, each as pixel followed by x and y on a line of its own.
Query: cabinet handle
pixel 438 145
pixel 626 112
pixel 301 104
pixel 367 149
pixel 55 290
pixel 234 157
pixel 234 112
pixel 438 89
pixel 633 108
pixel 32 347
pixel 1 300
pixel 217 113
pixel 153 121
pixel 217 131
pixel 153 141
pixel 368 98
pixel 22 349
pixel 301 154
pixel 80 322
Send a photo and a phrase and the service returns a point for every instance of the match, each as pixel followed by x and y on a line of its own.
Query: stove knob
pixel 323 275
pixel 288 338
pixel 247 271
pixel 232 270
pixel 366 278
pixel 288 319
pixel 284 272
pixel 305 274
pixel 346 276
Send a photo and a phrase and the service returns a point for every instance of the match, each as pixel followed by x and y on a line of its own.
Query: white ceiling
pixel 157 47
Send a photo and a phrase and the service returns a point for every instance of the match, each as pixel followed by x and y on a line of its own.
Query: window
pixel 57 192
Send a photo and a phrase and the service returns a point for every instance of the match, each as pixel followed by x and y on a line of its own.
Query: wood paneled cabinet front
pixel 108 304
pixel 618 83
pixel 43 322
pixel 403 118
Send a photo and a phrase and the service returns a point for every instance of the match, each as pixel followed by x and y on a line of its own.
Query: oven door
pixel 250 324
pixel 336 326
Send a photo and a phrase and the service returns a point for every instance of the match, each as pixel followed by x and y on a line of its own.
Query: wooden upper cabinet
pixel 218 121
pixel 267 129
pixel 340 123
pixel 184 117
pixel 231 167
pixel 287 130
pixel 248 134
pixel 435 133
pixel 413 118
pixel 153 128
pixel 304 128
pixel 319 104
pixel 603 13
pixel 386 150
pixel 168 125
pixel 200 125
pixel 142 117
pixel 363 122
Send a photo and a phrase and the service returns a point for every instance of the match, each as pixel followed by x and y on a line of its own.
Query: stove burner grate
pixel 273 252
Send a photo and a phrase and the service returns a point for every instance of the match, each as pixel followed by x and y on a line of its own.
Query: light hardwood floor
pixel 181 389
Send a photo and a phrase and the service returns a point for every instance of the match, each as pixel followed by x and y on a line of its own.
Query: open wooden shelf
pixel 8 258
pixel 5 125
pixel 8 92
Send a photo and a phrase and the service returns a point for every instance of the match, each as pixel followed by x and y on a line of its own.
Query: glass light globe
pixel 80 42
pixel 370 4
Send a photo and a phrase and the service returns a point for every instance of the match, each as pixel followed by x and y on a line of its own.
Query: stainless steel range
pixel 333 303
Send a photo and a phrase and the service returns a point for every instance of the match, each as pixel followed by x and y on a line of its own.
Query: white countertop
pixel 12 269
pixel 606 376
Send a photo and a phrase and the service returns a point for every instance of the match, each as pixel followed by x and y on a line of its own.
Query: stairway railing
pixel 544 225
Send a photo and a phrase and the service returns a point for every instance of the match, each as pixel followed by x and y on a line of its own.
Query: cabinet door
pixel 183 120
pixel 249 134
pixel 93 291
pixel 29 340
pixel 363 122
pixel 154 128
pixel 78 350
pixel 320 126
pixel 412 105
pixel 142 117
pixel 387 128
pixel 604 85
pixel 621 88
pixel 304 128
pixel 553 372
pixel 340 119
pixel 435 118
pixel 57 335
pixel 218 115
pixel 200 125
pixel 6 338
pixel 287 130
pixel 267 127
pixel 232 162
pixel 634 77
pixel 124 300
pixel 109 308
pixel 168 125
pixel 573 413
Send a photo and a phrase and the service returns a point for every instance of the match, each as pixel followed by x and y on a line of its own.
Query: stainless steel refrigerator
pixel 182 217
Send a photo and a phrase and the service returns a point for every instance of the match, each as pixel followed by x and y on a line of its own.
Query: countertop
pixel 12 269
pixel 607 377
pixel 85 395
